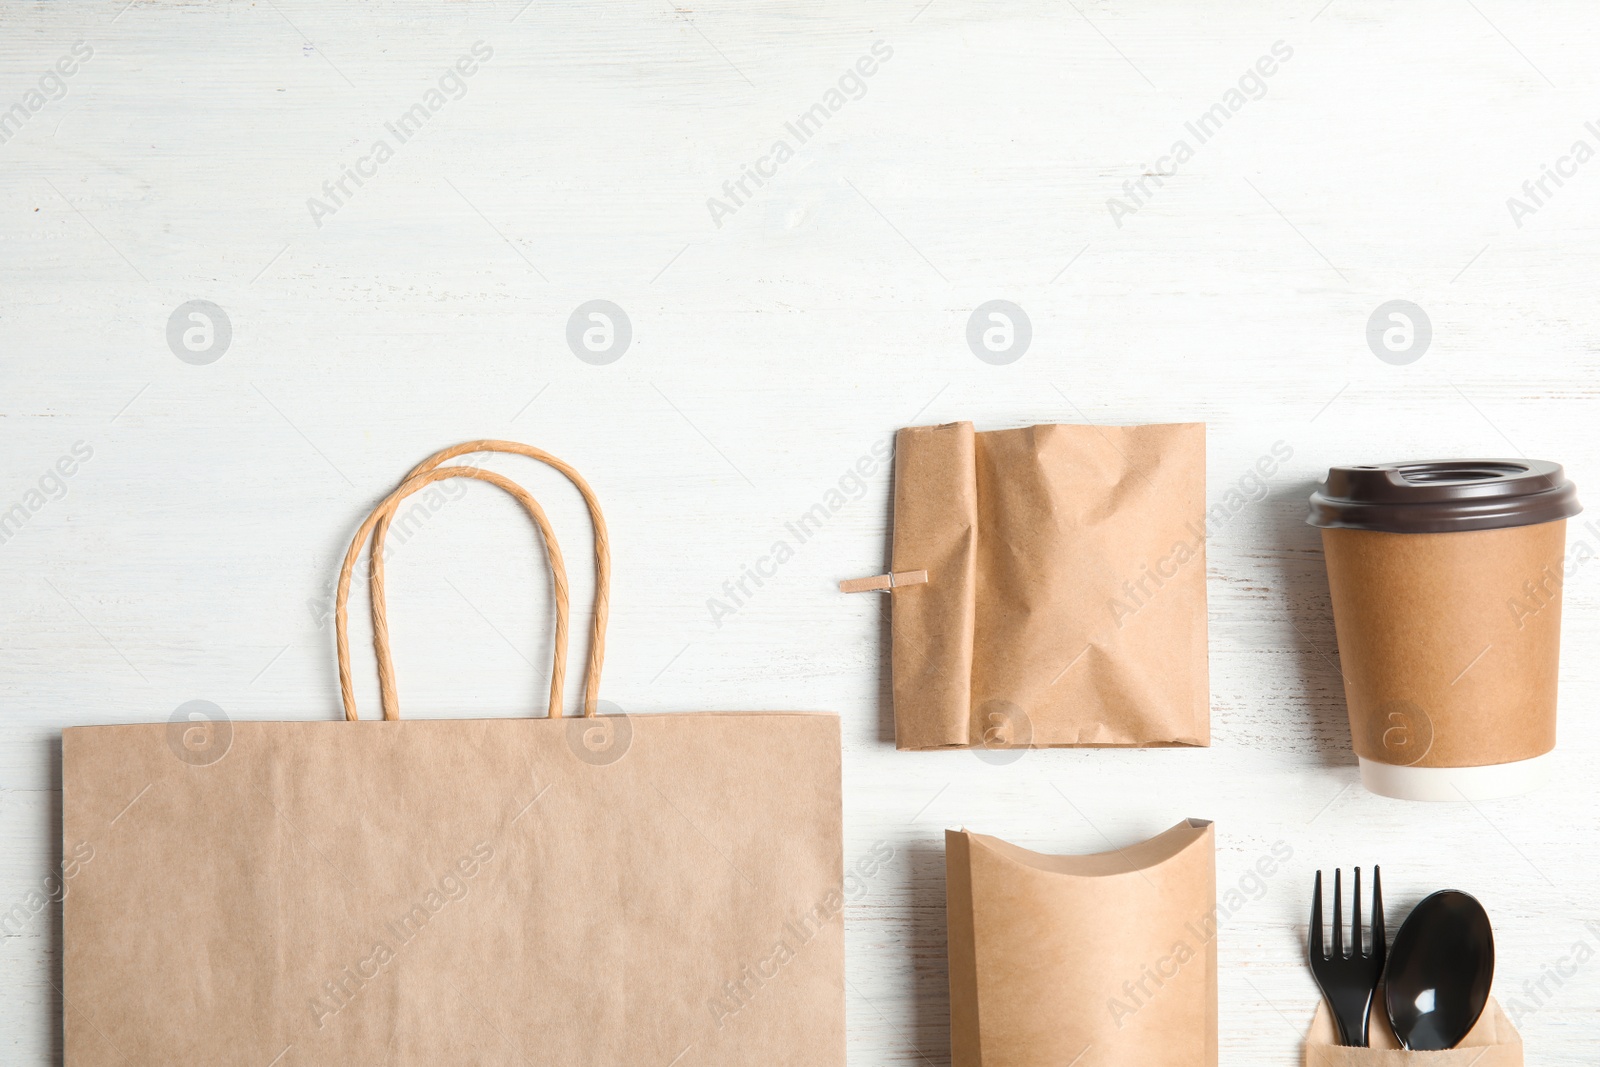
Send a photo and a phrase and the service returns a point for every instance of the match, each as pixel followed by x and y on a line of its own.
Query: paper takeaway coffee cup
pixel 1446 580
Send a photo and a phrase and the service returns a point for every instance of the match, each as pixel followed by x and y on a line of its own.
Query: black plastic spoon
pixel 1436 980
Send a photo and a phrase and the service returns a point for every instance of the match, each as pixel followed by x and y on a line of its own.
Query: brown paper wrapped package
pixel 1493 1042
pixel 600 890
pixel 1445 663
pixel 1065 601
pixel 1106 960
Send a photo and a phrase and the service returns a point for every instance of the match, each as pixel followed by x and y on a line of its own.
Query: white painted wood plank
pixel 192 554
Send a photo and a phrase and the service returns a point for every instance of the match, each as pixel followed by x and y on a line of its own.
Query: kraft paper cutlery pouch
pixel 1049 586
pixel 1105 960
pixel 1493 1042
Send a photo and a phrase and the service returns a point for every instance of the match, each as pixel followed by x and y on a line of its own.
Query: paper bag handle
pixel 376 526
pixel 380 640
pixel 602 571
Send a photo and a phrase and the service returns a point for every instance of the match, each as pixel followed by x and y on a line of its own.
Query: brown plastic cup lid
pixel 1444 496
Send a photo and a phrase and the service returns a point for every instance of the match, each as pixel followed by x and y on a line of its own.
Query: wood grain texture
pixel 192 555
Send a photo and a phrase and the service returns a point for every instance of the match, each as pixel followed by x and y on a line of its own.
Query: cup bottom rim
pixel 1491 782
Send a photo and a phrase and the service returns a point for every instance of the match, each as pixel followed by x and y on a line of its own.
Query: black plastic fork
pixel 1348 981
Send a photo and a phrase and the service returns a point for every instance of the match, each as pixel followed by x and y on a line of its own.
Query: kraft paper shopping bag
pixel 600 890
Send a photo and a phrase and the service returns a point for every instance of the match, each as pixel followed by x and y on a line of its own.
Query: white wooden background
pixel 192 555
